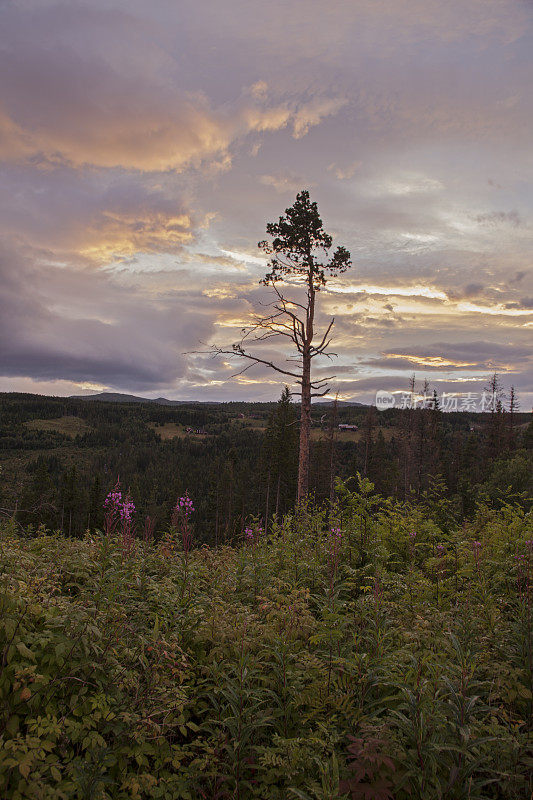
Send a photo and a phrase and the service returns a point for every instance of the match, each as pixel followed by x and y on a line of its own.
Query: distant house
pixel 344 427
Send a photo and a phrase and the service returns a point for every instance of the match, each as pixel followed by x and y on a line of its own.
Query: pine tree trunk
pixel 305 431
pixel 332 432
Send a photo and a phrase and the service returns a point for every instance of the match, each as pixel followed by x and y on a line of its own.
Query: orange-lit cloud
pixel 430 361
pixel 122 234
pixel 174 131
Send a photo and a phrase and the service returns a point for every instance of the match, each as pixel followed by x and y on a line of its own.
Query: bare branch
pixel 284 301
pixel 321 383
pixel 322 350
pixel 238 351
pixel 241 371
pixel 323 344
pixel 271 334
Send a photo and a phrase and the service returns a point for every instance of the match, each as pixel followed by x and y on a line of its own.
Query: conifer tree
pixel 280 455
pixel 94 514
pixel 300 258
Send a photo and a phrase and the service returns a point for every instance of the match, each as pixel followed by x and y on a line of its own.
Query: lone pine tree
pixel 300 258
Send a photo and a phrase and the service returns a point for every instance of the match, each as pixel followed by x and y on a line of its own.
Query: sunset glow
pixel 144 147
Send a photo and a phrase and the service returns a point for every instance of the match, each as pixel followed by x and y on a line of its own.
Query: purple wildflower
pixel 127 509
pixel 185 505
pixel 180 519
pixel 113 500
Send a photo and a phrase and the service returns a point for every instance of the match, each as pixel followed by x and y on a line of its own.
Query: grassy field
pixel 171 430
pixel 68 426
pixel 318 433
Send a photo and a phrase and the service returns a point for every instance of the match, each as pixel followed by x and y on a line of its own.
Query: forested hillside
pixel 59 458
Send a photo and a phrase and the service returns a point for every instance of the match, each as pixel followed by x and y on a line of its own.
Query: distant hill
pixel 117 397
pixel 341 403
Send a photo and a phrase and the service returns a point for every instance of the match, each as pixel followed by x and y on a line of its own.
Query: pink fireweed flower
pixel 120 509
pixel 252 533
pixel 185 505
pixel 180 519
pixel 127 509
pixel 477 547
pixel 112 506
pixel 113 500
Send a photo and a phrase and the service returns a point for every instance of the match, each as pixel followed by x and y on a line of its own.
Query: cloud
pixel 76 326
pixel 523 303
pixel 500 218
pixel 312 113
pixel 259 89
pixel 427 292
pixel 65 107
pixel 75 214
pixel 447 356
pixel 472 290
pixel 344 173
pixel 286 182
pixel 121 234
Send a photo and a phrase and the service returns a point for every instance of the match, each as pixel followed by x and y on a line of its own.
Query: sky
pixel 145 145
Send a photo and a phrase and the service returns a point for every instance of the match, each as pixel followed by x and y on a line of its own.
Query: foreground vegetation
pixel 365 650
